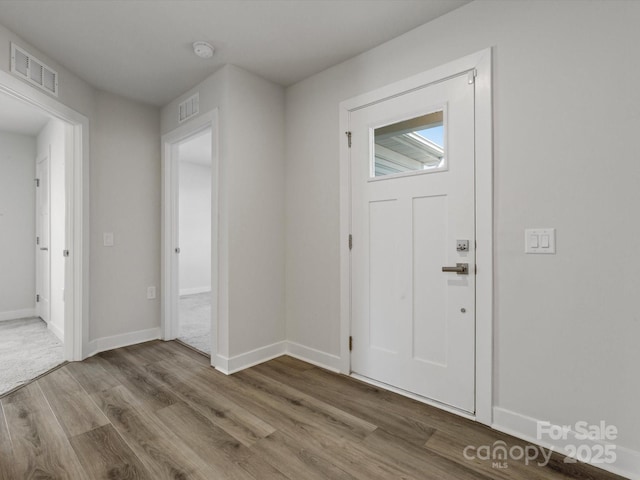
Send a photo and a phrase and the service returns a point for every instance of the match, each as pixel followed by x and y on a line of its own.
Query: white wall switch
pixel 151 293
pixel 107 239
pixel 540 240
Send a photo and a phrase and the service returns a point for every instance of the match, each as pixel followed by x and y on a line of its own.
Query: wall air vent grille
pixel 188 108
pixel 29 68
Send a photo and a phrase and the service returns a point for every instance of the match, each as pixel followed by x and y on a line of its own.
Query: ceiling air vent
pixel 188 108
pixel 26 66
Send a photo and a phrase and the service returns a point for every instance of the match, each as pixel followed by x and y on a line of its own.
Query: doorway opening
pixel 35 150
pixel 190 234
pixel 194 240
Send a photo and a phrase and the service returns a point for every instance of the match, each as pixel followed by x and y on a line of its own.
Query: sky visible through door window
pixel 435 134
pixel 412 145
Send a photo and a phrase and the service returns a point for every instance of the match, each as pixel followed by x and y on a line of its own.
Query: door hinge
pixel 65 253
pixel 350 343
pixel 37 240
pixel 350 241
pixel 37 180
pixel 37 298
pixel 471 77
pixel 348 134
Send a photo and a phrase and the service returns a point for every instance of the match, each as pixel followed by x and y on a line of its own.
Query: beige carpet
pixel 195 321
pixel 27 350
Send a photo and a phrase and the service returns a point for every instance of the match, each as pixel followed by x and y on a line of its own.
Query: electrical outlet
pixel 151 293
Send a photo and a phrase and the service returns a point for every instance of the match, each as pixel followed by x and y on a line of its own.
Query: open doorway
pixel 33 154
pixel 61 132
pixel 191 267
pixel 194 234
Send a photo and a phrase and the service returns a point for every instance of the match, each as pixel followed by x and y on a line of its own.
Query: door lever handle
pixel 44 249
pixel 460 269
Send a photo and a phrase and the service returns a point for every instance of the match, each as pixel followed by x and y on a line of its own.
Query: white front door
pixel 412 184
pixel 43 265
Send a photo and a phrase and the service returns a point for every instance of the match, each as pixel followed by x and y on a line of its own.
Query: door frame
pixel 76 316
pixel 39 274
pixel 481 63
pixel 170 190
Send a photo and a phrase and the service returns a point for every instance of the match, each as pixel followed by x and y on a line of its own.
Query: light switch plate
pixel 107 238
pixel 540 240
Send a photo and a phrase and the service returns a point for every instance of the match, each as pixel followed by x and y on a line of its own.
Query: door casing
pixel 76 316
pixel 169 267
pixel 479 63
pixel 43 272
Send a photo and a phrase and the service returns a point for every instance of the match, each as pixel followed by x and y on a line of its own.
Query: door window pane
pixel 413 145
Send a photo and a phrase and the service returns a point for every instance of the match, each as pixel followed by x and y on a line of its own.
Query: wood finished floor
pixel 158 411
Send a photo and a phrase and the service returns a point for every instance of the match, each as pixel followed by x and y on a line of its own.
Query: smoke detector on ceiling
pixel 203 49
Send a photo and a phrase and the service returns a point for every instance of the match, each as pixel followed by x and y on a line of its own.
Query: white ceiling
pixel 141 49
pixel 19 117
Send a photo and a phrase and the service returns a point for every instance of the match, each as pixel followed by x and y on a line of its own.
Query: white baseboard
pixel 313 356
pixel 627 461
pixel 194 290
pixel 269 352
pixel 57 331
pixel 249 359
pixel 17 314
pixel 116 341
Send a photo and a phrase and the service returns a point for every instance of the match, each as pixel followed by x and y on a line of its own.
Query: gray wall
pixel 195 227
pixel 565 133
pixel 73 91
pixel 125 200
pixel 124 197
pixel 17 223
pixel 256 212
pixel 251 204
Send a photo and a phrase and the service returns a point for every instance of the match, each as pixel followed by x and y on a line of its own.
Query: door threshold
pixel 414 396
pixel 191 347
pixel 29 382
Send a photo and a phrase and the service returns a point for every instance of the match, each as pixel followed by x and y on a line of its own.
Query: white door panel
pixel 414 325
pixel 43 262
pixel 429 297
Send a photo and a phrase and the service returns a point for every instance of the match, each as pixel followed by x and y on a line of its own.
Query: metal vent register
pixel 29 68
pixel 188 108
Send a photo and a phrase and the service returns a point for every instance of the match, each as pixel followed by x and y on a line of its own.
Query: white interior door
pixel 412 184
pixel 43 260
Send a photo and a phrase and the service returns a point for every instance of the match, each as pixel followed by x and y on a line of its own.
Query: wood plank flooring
pixel 159 411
